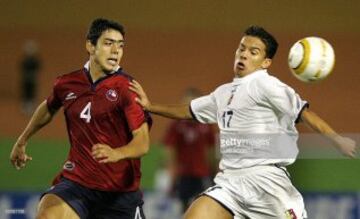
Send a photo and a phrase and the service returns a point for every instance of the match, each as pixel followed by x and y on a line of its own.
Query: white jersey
pixel 256 115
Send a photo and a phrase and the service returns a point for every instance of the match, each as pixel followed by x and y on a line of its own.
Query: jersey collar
pixel 87 67
pixel 249 77
pixel 94 84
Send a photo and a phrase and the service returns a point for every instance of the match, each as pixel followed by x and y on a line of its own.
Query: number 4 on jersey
pixel 85 113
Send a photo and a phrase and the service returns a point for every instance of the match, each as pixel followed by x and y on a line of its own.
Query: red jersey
pixel 191 141
pixel 101 112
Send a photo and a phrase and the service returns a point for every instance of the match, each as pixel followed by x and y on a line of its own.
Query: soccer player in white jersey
pixel 256 114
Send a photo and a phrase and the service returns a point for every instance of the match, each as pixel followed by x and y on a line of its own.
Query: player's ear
pixel 266 63
pixel 90 47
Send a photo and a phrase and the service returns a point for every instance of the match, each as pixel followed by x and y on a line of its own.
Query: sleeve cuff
pixel 192 114
pixel 306 105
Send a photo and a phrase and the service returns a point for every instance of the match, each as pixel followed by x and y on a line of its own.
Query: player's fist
pixel 104 153
pixel 142 98
pixel 346 146
pixel 18 156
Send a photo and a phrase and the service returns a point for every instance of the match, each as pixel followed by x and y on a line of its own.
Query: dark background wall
pixel 171 45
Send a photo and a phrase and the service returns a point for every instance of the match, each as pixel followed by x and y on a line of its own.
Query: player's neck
pixel 96 72
pixel 241 74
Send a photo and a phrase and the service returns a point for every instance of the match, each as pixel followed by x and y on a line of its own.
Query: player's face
pixel 108 51
pixel 250 56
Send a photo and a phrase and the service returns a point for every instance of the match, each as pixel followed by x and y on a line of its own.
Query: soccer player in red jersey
pixel 190 150
pixel 108 133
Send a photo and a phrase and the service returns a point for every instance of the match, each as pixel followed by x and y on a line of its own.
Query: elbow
pixel 146 150
pixel 141 141
pixel 145 146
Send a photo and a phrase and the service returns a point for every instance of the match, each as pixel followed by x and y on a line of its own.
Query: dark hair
pixel 99 25
pixel 269 41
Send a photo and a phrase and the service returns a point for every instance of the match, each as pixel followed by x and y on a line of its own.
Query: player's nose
pixel 115 49
pixel 243 55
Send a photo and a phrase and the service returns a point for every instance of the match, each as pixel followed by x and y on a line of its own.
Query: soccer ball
pixel 311 59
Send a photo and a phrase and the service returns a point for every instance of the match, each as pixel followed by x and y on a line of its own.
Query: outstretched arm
pixel 180 111
pixel 40 118
pixel 345 145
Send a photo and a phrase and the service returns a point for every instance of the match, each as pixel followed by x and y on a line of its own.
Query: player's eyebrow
pixel 251 47
pixel 112 40
pixel 255 48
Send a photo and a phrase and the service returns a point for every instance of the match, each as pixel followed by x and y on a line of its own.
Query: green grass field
pixel 49 155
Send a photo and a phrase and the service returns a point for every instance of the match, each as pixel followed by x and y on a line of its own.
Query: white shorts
pixel 260 192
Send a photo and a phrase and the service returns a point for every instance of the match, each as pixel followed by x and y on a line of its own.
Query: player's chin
pixel 238 71
pixel 108 67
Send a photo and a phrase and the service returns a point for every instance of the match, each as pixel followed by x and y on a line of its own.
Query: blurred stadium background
pixel 171 45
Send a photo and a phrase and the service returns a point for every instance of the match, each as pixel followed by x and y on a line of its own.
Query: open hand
pixel 142 98
pixel 346 146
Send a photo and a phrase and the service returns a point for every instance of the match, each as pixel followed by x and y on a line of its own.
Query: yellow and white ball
pixel 311 59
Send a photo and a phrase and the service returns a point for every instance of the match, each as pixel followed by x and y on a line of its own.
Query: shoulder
pixel 72 75
pixel 220 89
pixel 269 83
pixel 122 78
pixel 272 89
pixel 124 75
pixel 212 97
pixel 120 82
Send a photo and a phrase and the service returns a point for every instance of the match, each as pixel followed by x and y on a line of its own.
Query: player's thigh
pixel 124 205
pixel 206 207
pixel 53 207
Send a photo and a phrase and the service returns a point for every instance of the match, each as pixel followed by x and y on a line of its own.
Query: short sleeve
pixel 53 101
pixel 134 113
pixel 204 109
pixel 283 99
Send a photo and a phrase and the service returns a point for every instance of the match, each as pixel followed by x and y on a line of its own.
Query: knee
pixel 53 207
pixel 47 208
pixel 44 215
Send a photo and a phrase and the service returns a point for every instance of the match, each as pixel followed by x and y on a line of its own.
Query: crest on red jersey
pixel 111 95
